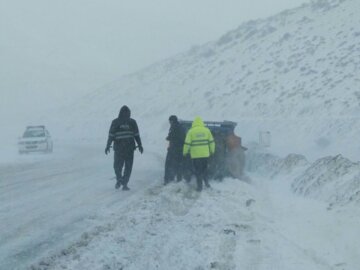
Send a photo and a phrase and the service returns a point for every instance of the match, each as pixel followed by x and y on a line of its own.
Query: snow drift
pixel 332 179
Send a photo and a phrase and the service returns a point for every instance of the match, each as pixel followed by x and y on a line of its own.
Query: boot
pixel 199 184
pixel 178 178
pixel 207 184
pixel 118 184
pixel 125 188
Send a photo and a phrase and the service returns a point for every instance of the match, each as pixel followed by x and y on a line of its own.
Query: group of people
pixel 197 142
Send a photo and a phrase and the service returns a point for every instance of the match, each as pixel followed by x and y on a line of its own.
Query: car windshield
pixel 34 133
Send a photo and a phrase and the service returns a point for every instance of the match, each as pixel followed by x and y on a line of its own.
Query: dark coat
pixel 124 132
pixel 176 138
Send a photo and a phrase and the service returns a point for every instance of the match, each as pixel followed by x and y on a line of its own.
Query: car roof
pixel 36 127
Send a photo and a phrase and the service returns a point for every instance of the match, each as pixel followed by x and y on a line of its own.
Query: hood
pixel 125 112
pixel 31 139
pixel 173 120
pixel 198 122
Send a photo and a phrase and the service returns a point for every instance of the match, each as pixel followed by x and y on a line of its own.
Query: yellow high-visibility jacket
pixel 199 140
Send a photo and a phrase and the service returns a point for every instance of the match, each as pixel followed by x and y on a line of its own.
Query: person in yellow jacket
pixel 199 142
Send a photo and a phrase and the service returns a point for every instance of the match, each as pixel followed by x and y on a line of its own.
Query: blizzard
pixel 296 207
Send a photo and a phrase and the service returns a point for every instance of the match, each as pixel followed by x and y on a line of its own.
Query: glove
pixel 141 149
pixel 107 150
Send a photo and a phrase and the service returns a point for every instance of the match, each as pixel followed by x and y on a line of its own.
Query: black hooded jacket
pixel 124 132
pixel 176 137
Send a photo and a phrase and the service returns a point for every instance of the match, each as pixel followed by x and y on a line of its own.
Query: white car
pixel 35 139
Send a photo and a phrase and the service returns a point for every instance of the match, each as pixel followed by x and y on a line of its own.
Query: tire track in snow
pixel 171 228
pixel 48 210
pixel 135 233
pixel 302 257
pixel 73 250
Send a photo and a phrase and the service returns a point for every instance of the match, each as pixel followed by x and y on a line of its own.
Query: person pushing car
pixel 199 142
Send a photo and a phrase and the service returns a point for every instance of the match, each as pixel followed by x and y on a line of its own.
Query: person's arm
pixel 137 136
pixel 170 136
pixel 111 138
pixel 187 143
pixel 211 143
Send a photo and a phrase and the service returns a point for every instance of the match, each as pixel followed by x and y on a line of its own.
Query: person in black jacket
pixel 123 132
pixel 174 157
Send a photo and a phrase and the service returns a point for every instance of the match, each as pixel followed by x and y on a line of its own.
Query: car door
pixel 48 139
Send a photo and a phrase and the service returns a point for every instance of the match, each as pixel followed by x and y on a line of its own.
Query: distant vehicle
pixel 35 139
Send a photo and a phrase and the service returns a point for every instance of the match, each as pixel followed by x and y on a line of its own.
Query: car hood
pixel 32 139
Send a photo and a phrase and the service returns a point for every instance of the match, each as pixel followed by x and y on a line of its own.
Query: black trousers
pixel 173 166
pixel 121 159
pixel 200 169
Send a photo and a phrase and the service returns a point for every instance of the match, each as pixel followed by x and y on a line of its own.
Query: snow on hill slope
pixel 294 74
pixel 332 179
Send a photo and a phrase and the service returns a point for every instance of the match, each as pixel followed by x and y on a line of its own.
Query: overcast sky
pixel 74 46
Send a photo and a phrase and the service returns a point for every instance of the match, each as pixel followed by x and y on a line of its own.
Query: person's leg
pixel 173 165
pixel 187 169
pixel 178 167
pixel 169 168
pixel 118 166
pixel 203 166
pixel 204 171
pixel 129 159
pixel 198 174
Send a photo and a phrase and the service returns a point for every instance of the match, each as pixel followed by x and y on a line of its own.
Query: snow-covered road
pixel 62 212
pixel 46 201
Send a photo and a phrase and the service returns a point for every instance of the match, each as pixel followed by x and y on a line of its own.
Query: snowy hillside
pixel 294 74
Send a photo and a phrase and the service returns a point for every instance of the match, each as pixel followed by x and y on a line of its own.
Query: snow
pixel 294 74
pixel 333 179
pixel 64 213
pixel 46 202
pixel 86 224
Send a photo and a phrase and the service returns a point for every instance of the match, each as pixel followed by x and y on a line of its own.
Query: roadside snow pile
pixel 272 165
pixel 333 179
pixel 171 227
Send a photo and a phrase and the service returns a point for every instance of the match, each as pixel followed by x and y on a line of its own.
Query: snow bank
pixel 272 165
pixel 333 179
